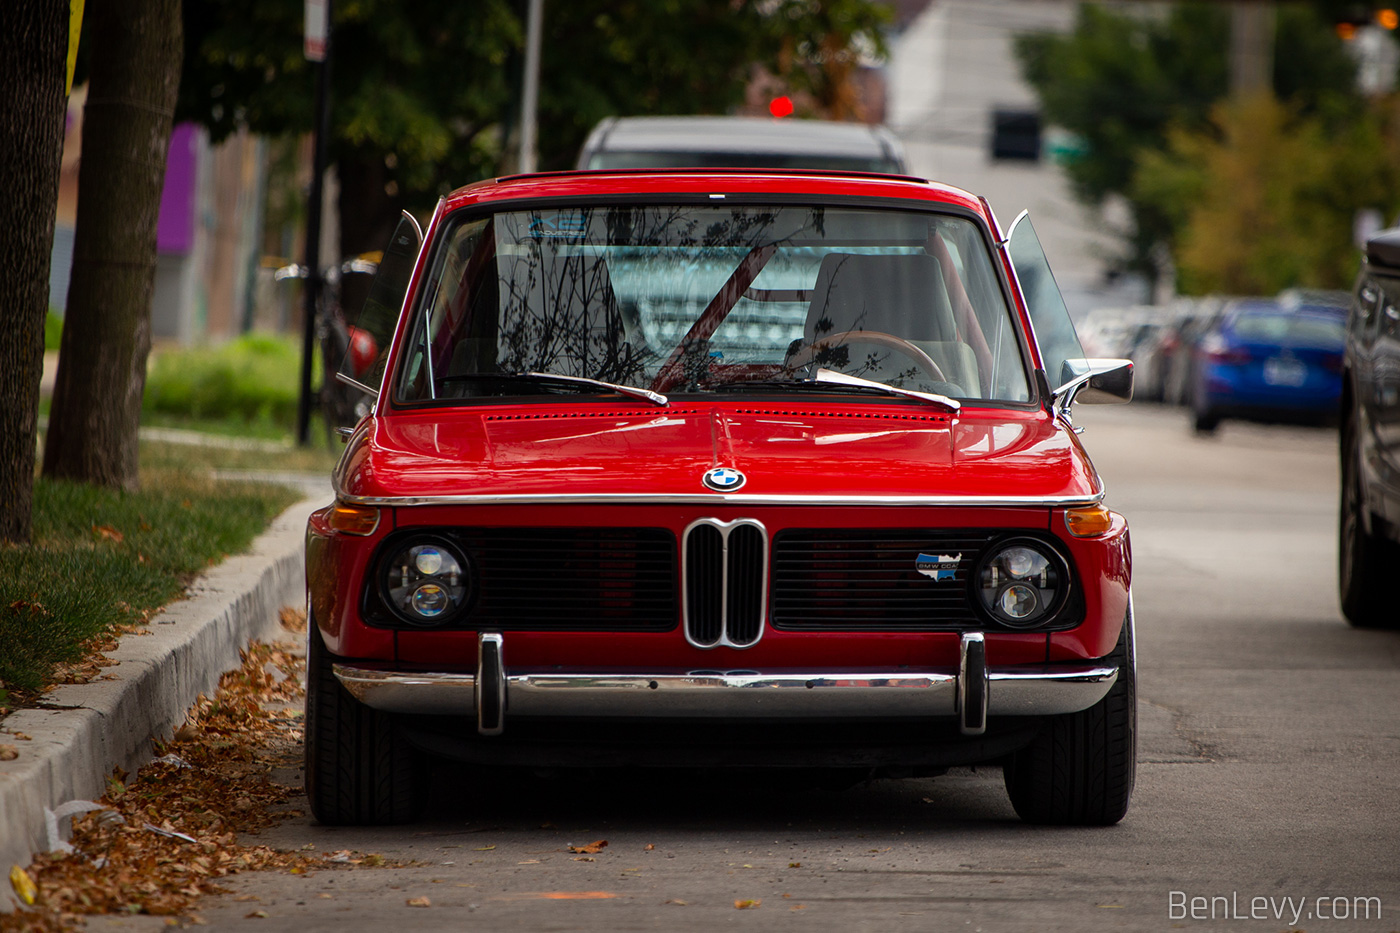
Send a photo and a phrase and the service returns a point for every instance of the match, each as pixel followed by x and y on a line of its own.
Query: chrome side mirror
pixel 1093 382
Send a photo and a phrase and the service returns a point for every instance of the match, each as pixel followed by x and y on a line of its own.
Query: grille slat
pixel 866 579
pixel 571 579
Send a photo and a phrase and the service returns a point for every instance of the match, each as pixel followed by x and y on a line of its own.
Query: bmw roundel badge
pixel 723 479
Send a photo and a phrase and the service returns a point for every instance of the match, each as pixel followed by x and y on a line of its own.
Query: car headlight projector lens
pixel 426 583
pixel 1022 583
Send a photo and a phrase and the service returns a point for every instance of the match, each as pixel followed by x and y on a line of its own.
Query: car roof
pixel 747 185
pixel 743 135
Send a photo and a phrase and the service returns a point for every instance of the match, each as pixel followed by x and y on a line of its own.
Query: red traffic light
pixel 781 106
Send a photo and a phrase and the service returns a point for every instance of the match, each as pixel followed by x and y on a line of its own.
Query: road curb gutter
pixel 86 730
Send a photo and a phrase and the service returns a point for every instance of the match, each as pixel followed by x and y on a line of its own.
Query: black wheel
pixel 359 771
pixel 1080 770
pixel 1204 419
pixel 1363 558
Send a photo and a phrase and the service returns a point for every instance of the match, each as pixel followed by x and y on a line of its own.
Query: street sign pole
pixel 317 48
pixel 529 99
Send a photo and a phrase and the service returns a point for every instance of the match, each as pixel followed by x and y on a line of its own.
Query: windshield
pixel 696 299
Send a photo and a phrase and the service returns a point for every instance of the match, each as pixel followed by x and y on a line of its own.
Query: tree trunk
pixel 33 71
pixel 107 330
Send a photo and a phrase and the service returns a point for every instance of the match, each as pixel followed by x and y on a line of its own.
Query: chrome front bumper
pixel 494 693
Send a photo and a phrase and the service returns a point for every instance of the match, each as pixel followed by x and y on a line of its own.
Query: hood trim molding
pixel 719 499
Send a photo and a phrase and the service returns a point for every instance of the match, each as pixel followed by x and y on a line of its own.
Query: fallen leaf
pixel 23 885
pixel 255 914
pixel 23 737
pixel 794 864
pixel 747 905
pixel 675 900
pixel 419 902
pixel 108 532
pixel 591 848
pixel 485 848
pixel 585 858
pixel 798 907
pixel 8 753
pixel 650 847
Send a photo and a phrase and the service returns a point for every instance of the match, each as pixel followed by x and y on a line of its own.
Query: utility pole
pixel 529 98
pixel 319 42
pixel 1251 47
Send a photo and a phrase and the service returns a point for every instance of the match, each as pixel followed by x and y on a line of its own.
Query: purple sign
pixel 175 232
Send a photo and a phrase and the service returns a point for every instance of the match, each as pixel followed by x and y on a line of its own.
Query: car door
pixel 1053 329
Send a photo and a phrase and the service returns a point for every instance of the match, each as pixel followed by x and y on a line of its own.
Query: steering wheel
pixel 808 353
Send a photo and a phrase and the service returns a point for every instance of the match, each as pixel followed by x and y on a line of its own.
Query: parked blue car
pixel 1269 361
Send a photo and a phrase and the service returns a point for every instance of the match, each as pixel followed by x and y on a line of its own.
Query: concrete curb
pixel 86 730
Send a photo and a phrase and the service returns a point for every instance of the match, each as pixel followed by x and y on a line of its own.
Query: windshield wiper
pixel 656 398
pixel 832 377
pixel 827 379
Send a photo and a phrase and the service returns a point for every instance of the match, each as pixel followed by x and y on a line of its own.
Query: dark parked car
pixel 1270 362
pixel 1369 526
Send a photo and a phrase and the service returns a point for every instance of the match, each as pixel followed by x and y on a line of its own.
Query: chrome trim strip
pixel 719 499
pixel 1043 690
pixel 724 529
pixel 972 683
pixel 356 384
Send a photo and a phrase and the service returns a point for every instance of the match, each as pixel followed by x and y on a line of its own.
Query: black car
pixel 1369 527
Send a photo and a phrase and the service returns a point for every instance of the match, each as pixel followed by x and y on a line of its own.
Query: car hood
pixel 836 453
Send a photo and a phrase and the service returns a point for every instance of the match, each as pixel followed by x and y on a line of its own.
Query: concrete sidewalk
pixel 83 731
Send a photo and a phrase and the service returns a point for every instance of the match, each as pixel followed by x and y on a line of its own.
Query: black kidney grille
pixel 704 591
pixel 726 576
pixel 575 579
pixel 745 584
pixel 828 579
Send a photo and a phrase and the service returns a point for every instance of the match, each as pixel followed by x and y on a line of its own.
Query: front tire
pixel 359 770
pixel 1080 770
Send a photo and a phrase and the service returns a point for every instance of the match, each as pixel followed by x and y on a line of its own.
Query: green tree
pixel 424 93
pixel 1265 200
pixel 1123 78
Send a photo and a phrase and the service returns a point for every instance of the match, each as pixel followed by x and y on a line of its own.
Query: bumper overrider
pixel 970 693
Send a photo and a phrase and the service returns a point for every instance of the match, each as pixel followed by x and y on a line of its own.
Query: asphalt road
pixel 1269 769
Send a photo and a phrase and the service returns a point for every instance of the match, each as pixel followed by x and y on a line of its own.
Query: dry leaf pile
pixel 170 833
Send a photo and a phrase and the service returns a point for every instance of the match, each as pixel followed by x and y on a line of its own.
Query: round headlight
pixel 1022 583
pixel 426 583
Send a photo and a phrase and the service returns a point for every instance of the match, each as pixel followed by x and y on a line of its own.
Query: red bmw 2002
pixel 721 469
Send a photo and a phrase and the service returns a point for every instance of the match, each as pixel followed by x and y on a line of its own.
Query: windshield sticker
pixel 566 224
pixel 938 567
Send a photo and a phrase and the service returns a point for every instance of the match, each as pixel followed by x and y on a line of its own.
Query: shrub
pixel 255 378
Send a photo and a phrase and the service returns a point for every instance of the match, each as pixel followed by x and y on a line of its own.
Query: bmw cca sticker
pixel 938 566
pixel 723 479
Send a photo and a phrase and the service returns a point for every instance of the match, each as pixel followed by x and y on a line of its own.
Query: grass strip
pixel 104 560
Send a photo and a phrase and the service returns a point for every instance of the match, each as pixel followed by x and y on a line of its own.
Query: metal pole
pixel 314 198
pixel 529 99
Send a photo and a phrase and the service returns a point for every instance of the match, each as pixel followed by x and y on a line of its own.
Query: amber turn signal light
pixel 353 519
pixel 1089 523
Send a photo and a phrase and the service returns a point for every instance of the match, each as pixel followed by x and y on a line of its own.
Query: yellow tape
pixel 75 27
